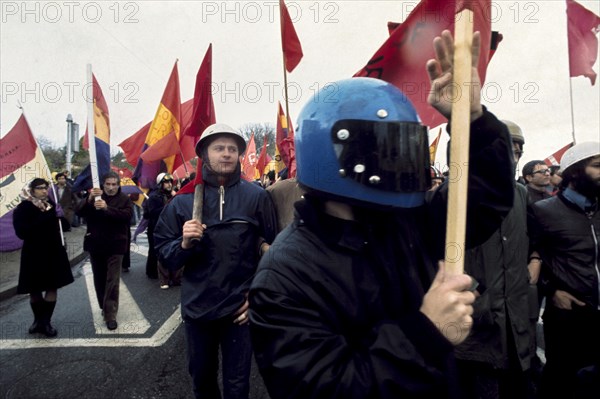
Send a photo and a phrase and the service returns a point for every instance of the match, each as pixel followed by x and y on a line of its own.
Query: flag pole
pixel 459 145
pixel 285 88
pixel 49 173
pixel 92 131
pixel 572 113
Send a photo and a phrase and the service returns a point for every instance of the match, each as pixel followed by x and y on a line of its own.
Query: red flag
pixel 290 44
pixel 204 107
pixel 204 112
pixel 402 57
pixel 249 162
pixel 554 159
pixel 261 164
pixel 582 26
pixel 167 122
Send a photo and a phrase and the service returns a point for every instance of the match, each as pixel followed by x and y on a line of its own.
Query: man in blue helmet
pixel 348 303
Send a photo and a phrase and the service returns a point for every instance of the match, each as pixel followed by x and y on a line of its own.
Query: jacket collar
pixel 213 179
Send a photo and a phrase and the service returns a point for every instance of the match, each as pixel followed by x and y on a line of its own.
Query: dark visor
pixel 389 156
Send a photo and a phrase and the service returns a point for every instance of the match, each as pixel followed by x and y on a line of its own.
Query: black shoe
pixel 48 330
pixel 111 324
pixel 125 270
pixel 35 327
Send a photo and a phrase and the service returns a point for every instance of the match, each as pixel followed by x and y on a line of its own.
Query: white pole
pixel 69 144
pixel 49 173
pixel 92 130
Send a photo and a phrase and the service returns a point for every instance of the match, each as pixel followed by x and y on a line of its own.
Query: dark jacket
pixel 568 242
pixel 154 205
pixel 500 267
pixel 44 261
pixel 218 270
pixel 107 230
pixel 334 307
pixel 536 195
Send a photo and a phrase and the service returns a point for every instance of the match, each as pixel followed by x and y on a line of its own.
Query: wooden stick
pixel 198 205
pixel 459 144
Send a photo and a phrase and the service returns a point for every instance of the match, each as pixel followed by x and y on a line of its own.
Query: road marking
pixel 129 312
pixel 160 337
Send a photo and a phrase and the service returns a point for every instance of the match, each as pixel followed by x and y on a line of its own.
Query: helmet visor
pixel 390 156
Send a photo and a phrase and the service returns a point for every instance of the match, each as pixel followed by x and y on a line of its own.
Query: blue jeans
pixel 203 341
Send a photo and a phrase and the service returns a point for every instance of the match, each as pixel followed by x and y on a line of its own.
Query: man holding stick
pixel 220 253
pixel 348 303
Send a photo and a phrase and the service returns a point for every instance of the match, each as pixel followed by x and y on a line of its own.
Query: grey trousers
pixel 107 276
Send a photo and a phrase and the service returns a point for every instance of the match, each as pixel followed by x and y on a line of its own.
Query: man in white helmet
pixel 219 256
pixel 153 206
pixel 565 231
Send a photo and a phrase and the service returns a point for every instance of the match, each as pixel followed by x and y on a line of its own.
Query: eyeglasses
pixel 41 187
pixel 542 171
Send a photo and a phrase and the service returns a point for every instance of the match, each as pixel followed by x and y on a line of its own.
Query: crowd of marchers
pixel 334 279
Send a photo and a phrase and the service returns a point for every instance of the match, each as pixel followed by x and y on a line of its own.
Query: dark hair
pixel 573 172
pixel 530 166
pixel 111 175
pixel 37 182
pixel 61 174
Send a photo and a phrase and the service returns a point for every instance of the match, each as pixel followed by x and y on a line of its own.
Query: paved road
pixel 144 358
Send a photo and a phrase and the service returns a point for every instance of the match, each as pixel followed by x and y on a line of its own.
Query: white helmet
pixel 163 176
pixel 220 128
pixel 579 152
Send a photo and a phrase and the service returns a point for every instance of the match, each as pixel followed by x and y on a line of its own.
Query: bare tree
pixel 260 130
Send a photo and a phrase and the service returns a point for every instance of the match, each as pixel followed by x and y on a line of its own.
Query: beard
pixel 588 187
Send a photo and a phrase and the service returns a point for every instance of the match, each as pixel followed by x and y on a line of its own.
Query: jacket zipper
pixel 596 261
pixel 221 201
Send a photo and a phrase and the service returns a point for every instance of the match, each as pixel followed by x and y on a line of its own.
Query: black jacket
pixel 334 307
pixel 568 241
pixel 218 270
pixel 107 230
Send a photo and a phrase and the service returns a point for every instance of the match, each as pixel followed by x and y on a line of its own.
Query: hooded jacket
pixel 218 270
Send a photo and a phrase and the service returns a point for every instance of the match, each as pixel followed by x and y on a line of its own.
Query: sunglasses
pixel 542 171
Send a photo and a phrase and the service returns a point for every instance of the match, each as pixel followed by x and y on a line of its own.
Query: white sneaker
pixel 164 287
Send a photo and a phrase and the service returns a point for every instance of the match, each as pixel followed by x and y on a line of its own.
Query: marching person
pixel 565 232
pixel 238 224
pixel 107 241
pixel 153 206
pixel 45 265
pixel 349 302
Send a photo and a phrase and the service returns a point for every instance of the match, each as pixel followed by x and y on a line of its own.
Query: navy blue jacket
pixel 219 269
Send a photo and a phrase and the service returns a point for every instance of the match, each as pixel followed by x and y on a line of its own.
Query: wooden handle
pixel 198 205
pixel 459 144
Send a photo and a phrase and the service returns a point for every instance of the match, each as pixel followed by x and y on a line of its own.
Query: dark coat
pixel 44 261
pixel 218 270
pixel 107 230
pixel 568 242
pixel 500 267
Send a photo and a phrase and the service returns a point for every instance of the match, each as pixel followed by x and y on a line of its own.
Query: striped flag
pixel 554 159
pixel 83 181
pixel 161 147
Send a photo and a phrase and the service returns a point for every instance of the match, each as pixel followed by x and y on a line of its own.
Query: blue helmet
pixel 361 139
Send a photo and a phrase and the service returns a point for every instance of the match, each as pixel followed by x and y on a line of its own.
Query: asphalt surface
pixel 144 358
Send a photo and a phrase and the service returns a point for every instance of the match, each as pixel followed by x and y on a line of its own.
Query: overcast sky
pixel 133 45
